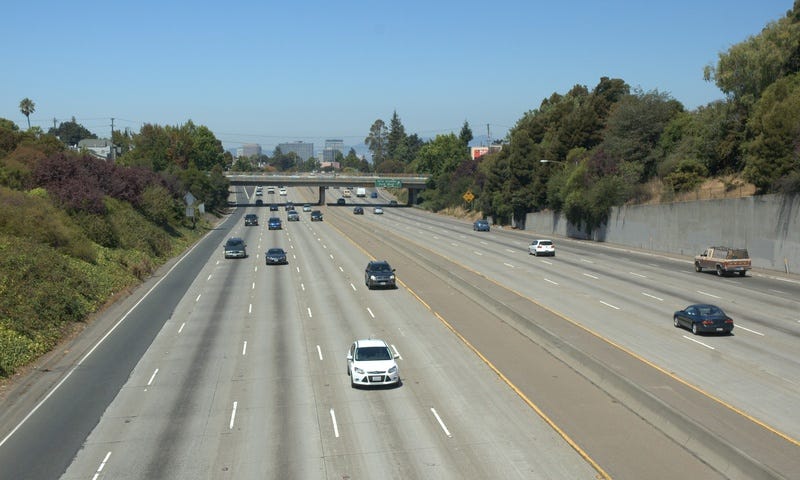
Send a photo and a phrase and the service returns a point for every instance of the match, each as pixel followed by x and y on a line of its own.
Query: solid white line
pixel 319 352
pixel 477 253
pixel 652 296
pixel 182 325
pixel 244 348
pixel 751 331
pixel 609 305
pixel 550 281
pixel 370 313
pixel 233 415
pixel 705 293
pixel 637 274
pixel 591 276
pixel 335 427
pixel 441 423
pixel 698 342
pixel 152 377
pixel 309 312
pixel 102 465
pixel 396 352
pixel 91 350
pixel 198 297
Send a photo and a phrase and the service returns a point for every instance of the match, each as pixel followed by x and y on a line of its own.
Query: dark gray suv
pixel 379 274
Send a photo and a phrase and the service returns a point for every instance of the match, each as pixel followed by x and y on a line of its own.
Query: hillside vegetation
pixel 75 231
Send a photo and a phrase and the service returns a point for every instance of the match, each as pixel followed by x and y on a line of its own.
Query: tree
pixel 71 132
pixel 27 107
pixel 466 134
pixel 396 138
pixel 376 141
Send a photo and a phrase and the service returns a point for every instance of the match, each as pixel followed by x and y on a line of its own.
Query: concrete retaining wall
pixel 767 225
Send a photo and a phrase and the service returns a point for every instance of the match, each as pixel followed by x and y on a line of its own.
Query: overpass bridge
pixel 323 181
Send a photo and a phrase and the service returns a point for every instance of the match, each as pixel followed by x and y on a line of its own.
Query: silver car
pixel 542 247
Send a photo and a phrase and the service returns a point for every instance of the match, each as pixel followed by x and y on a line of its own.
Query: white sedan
pixel 370 362
pixel 542 247
pixel 377 211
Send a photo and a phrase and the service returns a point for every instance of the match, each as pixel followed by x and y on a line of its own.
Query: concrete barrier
pixel 767 225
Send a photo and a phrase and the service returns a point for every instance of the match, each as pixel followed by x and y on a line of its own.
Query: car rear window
pixel 545 242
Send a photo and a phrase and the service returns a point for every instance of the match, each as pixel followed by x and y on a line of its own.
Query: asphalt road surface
pixel 513 366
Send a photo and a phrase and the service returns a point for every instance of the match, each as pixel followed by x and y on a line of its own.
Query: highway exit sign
pixel 388 183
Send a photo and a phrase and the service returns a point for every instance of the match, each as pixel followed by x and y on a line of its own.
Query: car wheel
pixel 719 271
pixel 675 321
pixel 352 383
pixel 697 267
pixel 694 328
pixel 742 273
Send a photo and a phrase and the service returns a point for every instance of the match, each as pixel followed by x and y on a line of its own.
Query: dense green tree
pixel 71 132
pixel 634 127
pixel 396 138
pixel 466 134
pixel 376 141
pixel 749 67
pixel 27 107
pixel 771 154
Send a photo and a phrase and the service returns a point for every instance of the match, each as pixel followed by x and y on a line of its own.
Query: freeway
pixel 512 366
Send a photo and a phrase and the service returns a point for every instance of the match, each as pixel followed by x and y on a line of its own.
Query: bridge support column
pixel 412 196
pixel 321 199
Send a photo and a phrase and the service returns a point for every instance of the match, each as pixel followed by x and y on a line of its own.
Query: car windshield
pixel 380 267
pixel 274 251
pixel 368 354
pixel 234 243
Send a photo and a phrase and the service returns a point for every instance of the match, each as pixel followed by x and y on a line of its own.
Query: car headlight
pixel 372 277
pixel 393 369
pixel 391 277
pixel 358 370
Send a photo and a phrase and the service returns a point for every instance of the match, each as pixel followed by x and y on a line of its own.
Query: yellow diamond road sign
pixel 469 196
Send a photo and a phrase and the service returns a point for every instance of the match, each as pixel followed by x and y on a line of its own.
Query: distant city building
pixel 331 147
pixel 249 150
pixel 303 150
pixel 478 152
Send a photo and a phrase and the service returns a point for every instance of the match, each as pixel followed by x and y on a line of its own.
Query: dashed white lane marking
pixel 309 313
pixel 441 423
pixel 335 426
pixel 652 296
pixel 550 281
pixel 637 274
pixel 370 312
pixel 609 305
pixel 699 342
pixel 396 352
pixel 198 297
pixel 233 415
pixel 591 276
pixel 707 294
pixel 748 330
pixel 319 352
pixel 244 348
pixel 152 377
pixel 102 465
pixel 182 325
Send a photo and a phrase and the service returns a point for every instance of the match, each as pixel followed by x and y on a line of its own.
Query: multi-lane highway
pixel 513 366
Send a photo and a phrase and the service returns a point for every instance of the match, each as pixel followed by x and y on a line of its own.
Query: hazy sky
pixel 268 72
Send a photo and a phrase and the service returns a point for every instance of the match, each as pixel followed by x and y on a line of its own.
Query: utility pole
pixel 54 123
pixel 113 149
pixel 488 136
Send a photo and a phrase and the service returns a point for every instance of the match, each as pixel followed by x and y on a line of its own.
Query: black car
pixel 273 208
pixel 703 318
pixel 358 211
pixel 379 274
pixel 274 223
pixel 392 203
pixel 276 256
pixel 235 248
pixel 316 216
pixel 341 201
pixel 251 219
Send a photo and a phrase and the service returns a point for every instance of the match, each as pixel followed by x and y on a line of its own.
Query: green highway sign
pixel 388 183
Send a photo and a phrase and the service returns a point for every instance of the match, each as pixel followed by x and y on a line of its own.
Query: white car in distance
pixel 370 362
